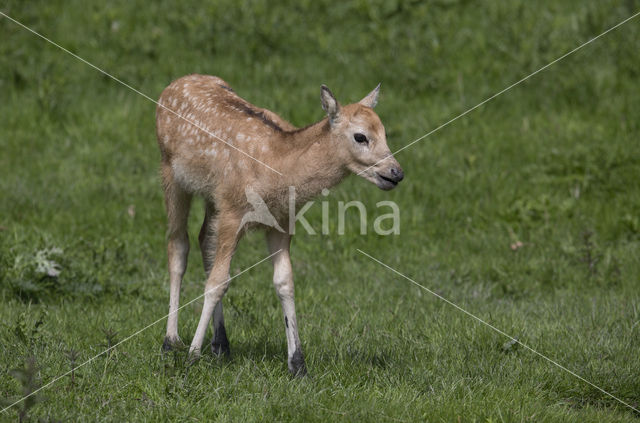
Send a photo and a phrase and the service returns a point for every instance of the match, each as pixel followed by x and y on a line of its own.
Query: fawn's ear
pixel 372 98
pixel 329 104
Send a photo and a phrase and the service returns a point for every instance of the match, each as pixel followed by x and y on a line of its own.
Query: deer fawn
pixel 217 145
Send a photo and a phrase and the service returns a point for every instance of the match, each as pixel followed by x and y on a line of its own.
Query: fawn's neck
pixel 312 159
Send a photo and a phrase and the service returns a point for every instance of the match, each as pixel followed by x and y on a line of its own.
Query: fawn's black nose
pixel 397 174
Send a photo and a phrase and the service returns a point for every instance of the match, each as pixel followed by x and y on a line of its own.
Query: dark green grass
pixel 553 163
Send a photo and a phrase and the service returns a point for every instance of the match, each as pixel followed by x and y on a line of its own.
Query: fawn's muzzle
pixel 389 178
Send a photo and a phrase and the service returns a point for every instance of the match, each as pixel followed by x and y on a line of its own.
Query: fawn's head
pixel 362 140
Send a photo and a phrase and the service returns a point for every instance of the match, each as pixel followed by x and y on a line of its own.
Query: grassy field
pixel 552 165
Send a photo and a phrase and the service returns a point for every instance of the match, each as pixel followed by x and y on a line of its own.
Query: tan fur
pixel 215 144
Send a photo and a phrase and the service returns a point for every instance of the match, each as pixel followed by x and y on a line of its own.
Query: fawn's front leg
pixel 218 279
pixel 207 238
pixel 283 282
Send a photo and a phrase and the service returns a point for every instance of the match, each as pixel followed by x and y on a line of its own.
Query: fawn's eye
pixel 360 138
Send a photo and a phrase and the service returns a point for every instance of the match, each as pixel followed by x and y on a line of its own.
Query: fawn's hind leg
pixel 207 238
pixel 178 203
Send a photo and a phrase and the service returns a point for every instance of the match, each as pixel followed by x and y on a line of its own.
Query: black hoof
pixel 297 367
pixel 220 343
pixel 220 349
pixel 171 344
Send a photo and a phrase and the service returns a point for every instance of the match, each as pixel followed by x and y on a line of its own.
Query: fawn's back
pixel 216 136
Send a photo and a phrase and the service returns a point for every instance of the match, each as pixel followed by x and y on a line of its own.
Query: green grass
pixel 553 163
